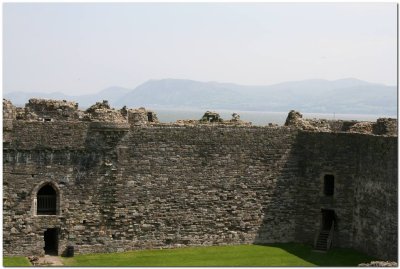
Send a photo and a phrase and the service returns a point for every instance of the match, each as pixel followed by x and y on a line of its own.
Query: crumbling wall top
pixel 295 119
pixel 211 117
pixel 50 104
pixel 9 114
pixel 56 110
pixel 48 110
pixel 98 105
pixel 383 126
pixel 9 110
pixel 141 116
pixel 101 111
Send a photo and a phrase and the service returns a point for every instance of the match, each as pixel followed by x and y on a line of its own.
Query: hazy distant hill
pixel 20 98
pixel 320 96
pixel 111 94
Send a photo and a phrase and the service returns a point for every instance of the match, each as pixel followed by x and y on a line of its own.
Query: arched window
pixel 47 200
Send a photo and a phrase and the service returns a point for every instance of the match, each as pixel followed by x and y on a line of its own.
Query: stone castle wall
pixel 130 185
pixel 365 198
pixel 376 198
pixel 159 187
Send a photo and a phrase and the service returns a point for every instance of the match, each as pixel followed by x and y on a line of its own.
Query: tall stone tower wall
pixel 365 196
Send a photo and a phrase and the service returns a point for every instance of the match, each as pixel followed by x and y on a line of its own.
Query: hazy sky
pixel 84 48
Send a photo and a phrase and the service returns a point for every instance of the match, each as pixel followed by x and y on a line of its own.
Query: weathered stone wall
pixel 158 186
pixel 49 110
pixel 132 184
pixel 375 222
pixel 209 185
pixel 326 154
pixel 9 115
pixel 365 195
pixel 28 135
pixel 385 126
pixel 24 171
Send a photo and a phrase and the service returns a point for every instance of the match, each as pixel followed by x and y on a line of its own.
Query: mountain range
pixel 346 96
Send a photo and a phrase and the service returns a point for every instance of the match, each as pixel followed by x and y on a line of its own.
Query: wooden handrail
pixel 330 237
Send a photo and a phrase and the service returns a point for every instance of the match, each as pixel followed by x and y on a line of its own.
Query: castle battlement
pixel 47 110
pixel 109 180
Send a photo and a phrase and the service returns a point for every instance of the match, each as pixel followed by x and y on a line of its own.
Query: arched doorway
pixel 47 200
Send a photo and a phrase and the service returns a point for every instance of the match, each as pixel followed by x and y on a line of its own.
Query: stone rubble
pixel 211 117
pixel 383 126
pixel 379 264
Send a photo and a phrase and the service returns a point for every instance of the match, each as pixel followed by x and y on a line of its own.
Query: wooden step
pixel 322 240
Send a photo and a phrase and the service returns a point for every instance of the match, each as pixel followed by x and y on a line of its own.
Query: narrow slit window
pixel 329 185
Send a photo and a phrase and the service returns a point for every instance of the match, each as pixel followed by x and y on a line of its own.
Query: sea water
pixel 260 118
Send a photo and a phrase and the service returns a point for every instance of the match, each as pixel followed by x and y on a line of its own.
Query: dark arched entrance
pixel 47 200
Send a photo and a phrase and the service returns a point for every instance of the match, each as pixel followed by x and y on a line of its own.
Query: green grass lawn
pixel 241 255
pixel 16 261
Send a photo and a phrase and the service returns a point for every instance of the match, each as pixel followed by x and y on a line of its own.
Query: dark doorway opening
pixel 328 218
pixel 51 241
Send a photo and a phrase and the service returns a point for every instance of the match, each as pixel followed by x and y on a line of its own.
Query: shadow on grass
pixel 334 257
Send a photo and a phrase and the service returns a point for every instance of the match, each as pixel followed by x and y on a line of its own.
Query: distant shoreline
pixel 257 117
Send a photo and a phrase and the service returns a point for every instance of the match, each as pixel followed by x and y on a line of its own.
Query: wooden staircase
pixel 323 239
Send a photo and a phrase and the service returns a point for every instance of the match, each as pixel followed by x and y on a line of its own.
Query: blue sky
pixel 83 48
